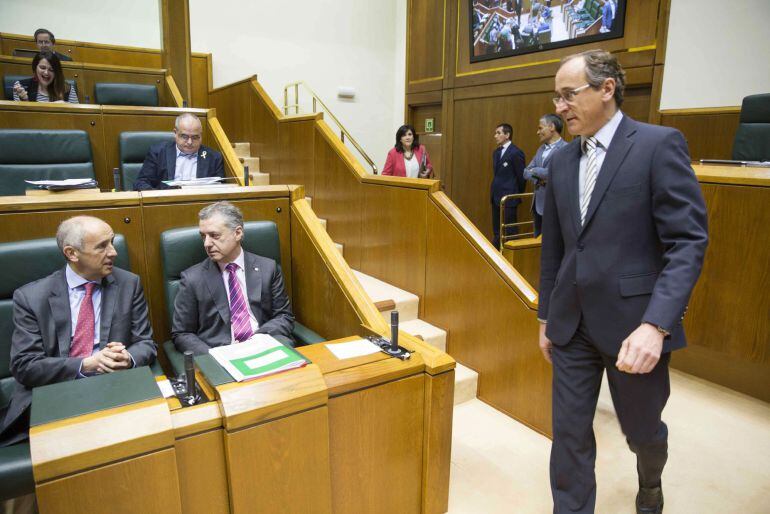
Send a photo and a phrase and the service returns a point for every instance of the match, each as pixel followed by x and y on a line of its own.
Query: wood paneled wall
pixel 709 132
pixel 114 55
pixel 473 98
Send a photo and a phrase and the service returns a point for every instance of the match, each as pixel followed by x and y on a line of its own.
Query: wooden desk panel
pixel 376 445
pixel 146 484
pixel 279 466
pixel 200 461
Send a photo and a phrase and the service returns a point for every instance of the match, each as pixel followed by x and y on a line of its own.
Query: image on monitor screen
pixel 502 28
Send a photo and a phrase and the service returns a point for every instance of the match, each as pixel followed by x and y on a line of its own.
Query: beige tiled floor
pixel 719 457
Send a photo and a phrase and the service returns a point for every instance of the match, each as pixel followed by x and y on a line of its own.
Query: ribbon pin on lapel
pixel 203 154
pixel 505 164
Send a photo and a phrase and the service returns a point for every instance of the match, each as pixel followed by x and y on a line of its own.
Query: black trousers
pixel 639 400
pixel 510 217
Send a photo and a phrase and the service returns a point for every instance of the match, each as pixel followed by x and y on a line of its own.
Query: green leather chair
pixel 133 150
pixel 23 262
pixel 8 81
pixel 109 93
pixel 752 139
pixel 42 155
pixel 181 248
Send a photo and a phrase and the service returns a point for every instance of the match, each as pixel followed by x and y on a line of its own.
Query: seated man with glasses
pixel 184 159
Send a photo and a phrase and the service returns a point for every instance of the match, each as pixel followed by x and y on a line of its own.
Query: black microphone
pixel 245 175
pixel 394 331
pixel 116 179
pixel 184 104
pixel 189 371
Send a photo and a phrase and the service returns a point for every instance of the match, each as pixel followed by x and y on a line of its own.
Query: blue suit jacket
pixel 537 172
pixel 160 165
pixel 509 173
pixel 640 251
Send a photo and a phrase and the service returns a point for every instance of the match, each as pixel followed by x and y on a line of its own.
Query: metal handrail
pixel 316 99
pixel 503 225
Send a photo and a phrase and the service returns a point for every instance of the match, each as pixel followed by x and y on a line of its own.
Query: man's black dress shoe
pixel 649 500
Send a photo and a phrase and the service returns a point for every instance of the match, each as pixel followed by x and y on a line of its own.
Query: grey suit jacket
pixel 41 339
pixel 640 251
pixel 537 172
pixel 202 311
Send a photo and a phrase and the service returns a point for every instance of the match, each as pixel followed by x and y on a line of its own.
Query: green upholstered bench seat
pixel 42 155
pixel 16 477
pixel 752 139
pixel 133 149
pixel 112 93
pixel 9 80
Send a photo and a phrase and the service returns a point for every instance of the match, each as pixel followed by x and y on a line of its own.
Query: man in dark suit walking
pixel 87 318
pixel 549 132
pixel 183 159
pixel 231 295
pixel 624 235
pixel 508 168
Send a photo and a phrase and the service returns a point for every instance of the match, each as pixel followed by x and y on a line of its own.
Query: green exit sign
pixel 428 124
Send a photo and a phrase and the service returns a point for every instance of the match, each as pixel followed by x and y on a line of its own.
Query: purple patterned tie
pixel 239 315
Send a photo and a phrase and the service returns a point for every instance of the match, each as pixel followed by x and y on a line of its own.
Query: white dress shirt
pixel 603 136
pixel 504 148
pixel 412 166
pixel 240 274
pixel 186 165
pixel 547 147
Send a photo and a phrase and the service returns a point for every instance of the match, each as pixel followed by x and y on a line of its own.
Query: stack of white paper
pixel 259 356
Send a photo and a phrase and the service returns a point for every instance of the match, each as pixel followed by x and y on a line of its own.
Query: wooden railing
pixel 407 233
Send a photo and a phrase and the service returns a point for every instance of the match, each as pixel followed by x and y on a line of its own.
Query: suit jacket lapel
pixel 213 278
pixel 253 284
pixel 170 162
pixel 619 146
pixel 59 302
pixel 202 168
pixel 109 298
pixel 574 184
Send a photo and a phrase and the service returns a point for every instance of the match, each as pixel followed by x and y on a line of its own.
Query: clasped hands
pixel 639 352
pixel 19 90
pixel 112 357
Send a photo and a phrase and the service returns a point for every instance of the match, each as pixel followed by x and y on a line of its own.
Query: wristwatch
pixel 663 331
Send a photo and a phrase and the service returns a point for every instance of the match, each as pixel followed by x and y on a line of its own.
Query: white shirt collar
pixel 74 280
pixel 605 134
pixel 550 145
pixel 180 152
pixel 505 146
pixel 240 261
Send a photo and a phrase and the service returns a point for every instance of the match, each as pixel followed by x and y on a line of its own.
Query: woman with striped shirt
pixel 47 83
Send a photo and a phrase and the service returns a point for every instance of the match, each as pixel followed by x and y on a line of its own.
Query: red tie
pixel 83 340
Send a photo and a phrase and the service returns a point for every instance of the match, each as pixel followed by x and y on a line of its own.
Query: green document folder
pixel 92 394
pixel 256 358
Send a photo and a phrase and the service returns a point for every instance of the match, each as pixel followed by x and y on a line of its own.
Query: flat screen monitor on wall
pixel 502 28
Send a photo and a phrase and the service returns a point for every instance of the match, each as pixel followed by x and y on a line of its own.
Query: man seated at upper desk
pixel 45 42
pixel 231 295
pixel 85 319
pixel 184 159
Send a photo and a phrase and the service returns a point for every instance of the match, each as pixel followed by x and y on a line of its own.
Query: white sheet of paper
pixel 265 360
pixel 353 349
pixel 65 182
pixel 165 388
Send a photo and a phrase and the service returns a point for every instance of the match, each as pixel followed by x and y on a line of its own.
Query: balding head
pixel 86 243
pixel 188 131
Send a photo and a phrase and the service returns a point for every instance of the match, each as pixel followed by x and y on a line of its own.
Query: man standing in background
pixel 508 169
pixel 549 133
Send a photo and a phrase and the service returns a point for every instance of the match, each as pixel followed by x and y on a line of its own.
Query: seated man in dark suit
pixel 184 159
pixel 85 319
pixel 233 294
pixel 45 42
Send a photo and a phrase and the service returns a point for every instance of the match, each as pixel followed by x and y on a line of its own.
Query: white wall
pixel 327 43
pixel 717 53
pixel 132 22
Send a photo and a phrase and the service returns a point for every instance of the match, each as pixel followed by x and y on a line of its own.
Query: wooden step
pixel 259 179
pixel 340 248
pixel 323 222
pixel 251 162
pixel 242 149
pixel 309 201
pixel 406 303
pixel 432 335
pixel 466 384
